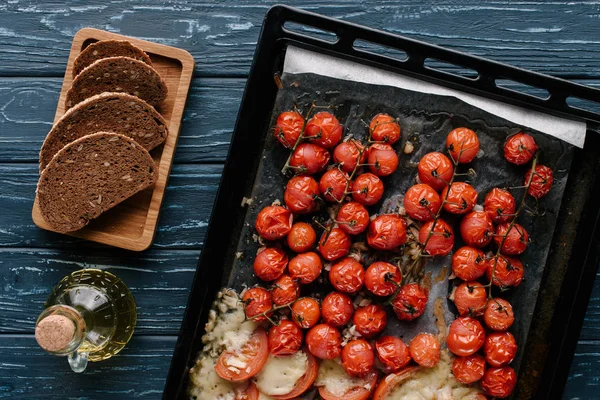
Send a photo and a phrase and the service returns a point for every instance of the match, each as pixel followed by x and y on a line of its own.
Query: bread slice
pixel 109 112
pixel 108 48
pixel 91 175
pixel 118 74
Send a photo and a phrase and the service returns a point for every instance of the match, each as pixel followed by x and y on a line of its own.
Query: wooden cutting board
pixel 131 225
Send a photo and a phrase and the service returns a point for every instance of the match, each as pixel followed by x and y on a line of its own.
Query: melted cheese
pixel 336 380
pixel 280 374
pixel 207 385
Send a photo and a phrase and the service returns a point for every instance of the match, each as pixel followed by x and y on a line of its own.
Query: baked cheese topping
pixel 207 385
pixel 280 374
pixel 336 380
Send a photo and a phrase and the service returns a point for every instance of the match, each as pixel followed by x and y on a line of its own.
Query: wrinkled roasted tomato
pixel 436 170
pixel 410 302
pixel 425 350
pixel 270 263
pixel 477 229
pixel 333 185
pixel 347 275
pixel 507 271
pixel 324 341
pixel 347 155
pixel 285 339
pixel 500 348
pixel 367 189
pixel 499 382
pixel 465 336
pixel 470 298
pixel 516 239
pixel 382 278
pixel 440 241
pixel 301 195
pixel 353 218
pixel 358 358
pixel 285 290
pixel 337 309
pixel 392 352
pixel 288 128
pixel 498 314
pixel 257 301
pixel 255 351
pixel 382 159
pixel 306 312
pixel 302 237
pixel 468 369
pixel 387 232
pixel 541 183
pixel 335 245
pixel 469 263
pixel 324 129
pixel 520 148
pixel 384 128
pixel 421 202
pixel 460 199
pixel 463 145
pixel 500 205
pixel 305 267
pixel 274 222
pixel 309 159
pixel 370 320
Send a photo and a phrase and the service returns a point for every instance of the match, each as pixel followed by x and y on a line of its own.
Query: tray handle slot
pixel 448 68
pixel 366 46
pixel 522 88
pixel 583 104
pixel 307 30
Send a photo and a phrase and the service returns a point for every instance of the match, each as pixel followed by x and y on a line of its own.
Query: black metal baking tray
pixel 575 246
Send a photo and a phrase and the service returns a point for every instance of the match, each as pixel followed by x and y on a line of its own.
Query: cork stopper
pixel 55 332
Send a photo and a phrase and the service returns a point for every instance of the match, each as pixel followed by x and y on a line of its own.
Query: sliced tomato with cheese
pixel 390 382
pixel 250 393
pixel 305 382
pixel 239 365
pixel 335 384
pixel 287 377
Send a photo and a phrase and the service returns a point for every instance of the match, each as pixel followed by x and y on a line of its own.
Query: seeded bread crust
pixel 90 176
pixel 108 48
pixel 118 74
pixel 107 112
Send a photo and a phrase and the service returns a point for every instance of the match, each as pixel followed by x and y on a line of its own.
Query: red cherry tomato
pixel 347 155
pixel 390 382
pixel 422 202
pixel 380 278
pixel 507 271
pixel 499 314
pixel 257 301
pixel 441 241
pixel 285 291
pixel 460 199
pixel 465 336
pixel 347 275
pixel 353 218
pixel 358 358
pixel 354 393
pixel 520 148
pixel 335 245
pixel 302 237
pixel 477 229
pixel 468 369
pixel 370 320
pixel 382 159
pixel 285 339
pixel 253 355
pixel 337 309
pixel 500 348
pixel 306 312
pixel 305 267
pixel 384 128
pixel 324 341
pixel 470 298
pixel 463 145
pixel 392 352
pixel 541 183
pixel 324 129
pixel 309 159
pixel 270 263
pixel 274 222
pixel 304 383
pixel 500 205
pixel 436 170
pixel 425 350
pixel 410 302
pixel 468 263
pixel 387 232
pixel 499 382
pixel 301 195
pixel 516 239
pixel 333 185
pixel 288 128
pixel 367 189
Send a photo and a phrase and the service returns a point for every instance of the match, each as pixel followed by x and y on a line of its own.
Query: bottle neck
pixel 60 330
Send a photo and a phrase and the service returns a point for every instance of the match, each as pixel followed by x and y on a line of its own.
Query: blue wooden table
pixel 557 38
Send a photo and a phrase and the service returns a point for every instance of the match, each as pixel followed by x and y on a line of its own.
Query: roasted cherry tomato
pixel 324 129
pixel 309 159
pixel 285 339
pixel 301 195
pixel 347 155
pixel 285 291
pixel 305 267
pixel 468 369
pixel 469 263
pixel 440 241
pixel 410 302
pixel 358 358
pixel 500 348
pixel 384 128
pixel 470 298
pixel 498 314
pixel 541 182
pixel 392 352
pixel 288 128
pixel 334 245
pixel 347 275
pixel 436 170
pixel 382 159
pixel 333 185
pixel 477 229
pixel 520 148
pixel 388 384
pixel 387 232
pixel 306 312
pixel 465 336
pixel 253 355
pixel 337 309
pixel 463 145
pixel 304 383
pixel 425 350
pixel 460 199
pixel 516 239
pixel 370 320
pixel 499 205
pixel 257 301
pixel 359 392
pixel 367 189
pixel 270 263
pixel 507 271
pixel 274 222
pixel 382 279
pixel 421 202
pixel 353 218
pixel 324 341
pixel 302 237
pixel 499 382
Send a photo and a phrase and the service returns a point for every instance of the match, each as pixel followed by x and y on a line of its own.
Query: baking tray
pixel 561 301
pixel 132 224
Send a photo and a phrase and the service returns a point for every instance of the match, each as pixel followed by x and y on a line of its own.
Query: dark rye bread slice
pixel 108 48
pixel 91 175
pixel 106 112
pixel 118 74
